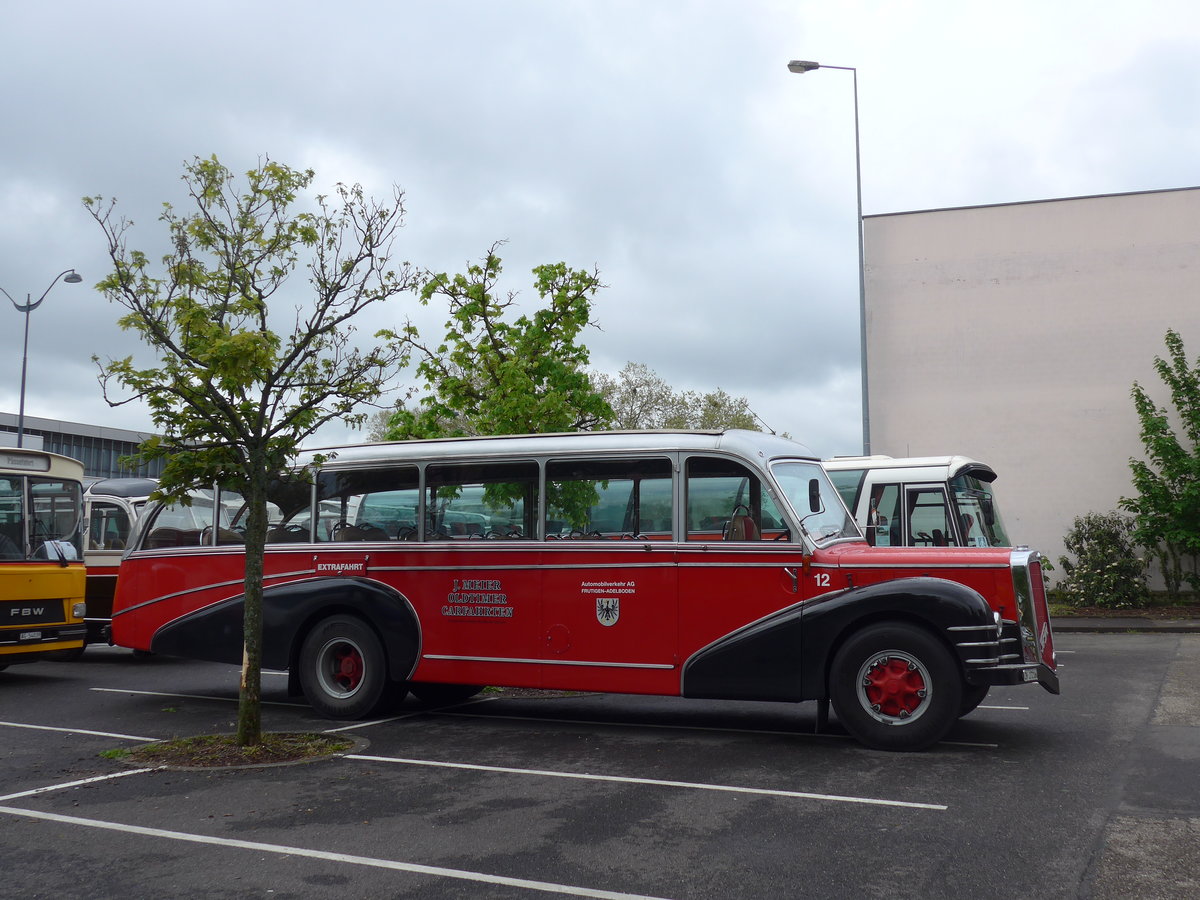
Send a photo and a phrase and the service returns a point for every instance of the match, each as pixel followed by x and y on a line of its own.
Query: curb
pixel 1123 625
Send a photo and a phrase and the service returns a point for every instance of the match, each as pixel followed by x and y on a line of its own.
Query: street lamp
pixel 799 67
pixel 27 307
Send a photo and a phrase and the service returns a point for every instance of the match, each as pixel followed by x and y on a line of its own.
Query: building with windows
pixel 99 448
pixel 1014 333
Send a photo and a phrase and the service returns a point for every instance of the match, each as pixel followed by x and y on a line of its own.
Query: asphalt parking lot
pixel 1094 793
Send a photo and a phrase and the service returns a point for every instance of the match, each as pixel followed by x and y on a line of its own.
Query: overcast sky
pixel 665 143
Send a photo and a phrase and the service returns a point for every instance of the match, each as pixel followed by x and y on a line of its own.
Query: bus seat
pixel 165 537
pixel 742 526
pixel 343 531
pixel 369 532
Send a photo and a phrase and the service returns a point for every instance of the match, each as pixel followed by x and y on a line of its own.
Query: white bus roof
pixel 927 468
pixel 123 487
pixel 751 445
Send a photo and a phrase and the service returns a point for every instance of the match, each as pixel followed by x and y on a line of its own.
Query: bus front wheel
pixel 343 669
pixel 896 687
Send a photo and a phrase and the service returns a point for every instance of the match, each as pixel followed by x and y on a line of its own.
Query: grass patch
pixel 211 750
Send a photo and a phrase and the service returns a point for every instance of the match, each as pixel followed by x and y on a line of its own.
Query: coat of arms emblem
pixel 608 610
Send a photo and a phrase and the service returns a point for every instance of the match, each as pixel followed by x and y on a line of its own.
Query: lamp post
pixel 799 67
pixel 27 307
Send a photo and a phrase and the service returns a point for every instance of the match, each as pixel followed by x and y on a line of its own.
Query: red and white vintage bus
pixel 702 564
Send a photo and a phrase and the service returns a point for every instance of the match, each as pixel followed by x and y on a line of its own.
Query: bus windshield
pixel 39 518
pixel 816 502
pixel 978 513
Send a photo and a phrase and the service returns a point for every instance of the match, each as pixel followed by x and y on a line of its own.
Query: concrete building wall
pixel 1014 333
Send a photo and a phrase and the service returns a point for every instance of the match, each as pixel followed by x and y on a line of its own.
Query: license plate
pixel 1029 675
pixel 31 636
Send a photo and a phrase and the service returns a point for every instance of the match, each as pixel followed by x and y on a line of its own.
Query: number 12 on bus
pixel 696 564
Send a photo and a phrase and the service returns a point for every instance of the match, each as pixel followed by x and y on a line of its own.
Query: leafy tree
pixel 716 409
pixel 493 375
pixel 641 399
pixel 1167 508
pixel 232 397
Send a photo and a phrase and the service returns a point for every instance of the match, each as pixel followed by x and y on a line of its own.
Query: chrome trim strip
pixel 664 564
pixel 921 566
pixel 1023 591
pixel 547 662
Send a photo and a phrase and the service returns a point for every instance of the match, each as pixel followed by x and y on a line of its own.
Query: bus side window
pixel 594 499
pixel 882 520
pixel 363 505
pixel 726 501
pixel 108 527
pixel 928 522
pixel 481 501
pixel 849 484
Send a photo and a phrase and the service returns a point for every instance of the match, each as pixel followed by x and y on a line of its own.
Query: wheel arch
pixel 931 604
pixel 385 610
pixel 290 611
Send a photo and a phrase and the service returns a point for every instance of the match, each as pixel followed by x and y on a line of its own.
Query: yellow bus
pixel 42 573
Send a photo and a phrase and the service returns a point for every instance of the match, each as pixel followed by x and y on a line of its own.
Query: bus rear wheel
pixel 343 669
pixel 896 687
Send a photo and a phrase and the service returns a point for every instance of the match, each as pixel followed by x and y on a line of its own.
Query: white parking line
pixel 283 850
pixel 108 734
pixel 71 784
pixel 621 779
pixel 193 696
pixel 409 715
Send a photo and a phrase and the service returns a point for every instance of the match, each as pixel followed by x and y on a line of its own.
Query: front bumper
pixel 1016 673
pixel 995 658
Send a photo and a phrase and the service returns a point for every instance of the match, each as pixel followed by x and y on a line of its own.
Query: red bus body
pixel 679 611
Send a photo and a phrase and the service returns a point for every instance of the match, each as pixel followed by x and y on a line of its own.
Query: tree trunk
pixel 249 726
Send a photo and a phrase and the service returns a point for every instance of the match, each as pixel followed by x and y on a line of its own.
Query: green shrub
pixel 1107 570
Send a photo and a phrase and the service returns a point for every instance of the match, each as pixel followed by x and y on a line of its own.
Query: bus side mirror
pixel 814 495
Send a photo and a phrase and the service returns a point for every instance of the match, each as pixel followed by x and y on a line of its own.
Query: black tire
pixel 896 687
pixel 343 669
pixel 973 695
pixel 441 694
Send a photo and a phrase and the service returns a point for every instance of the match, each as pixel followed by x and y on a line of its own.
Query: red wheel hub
pixel 347 668
pixel 894 687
